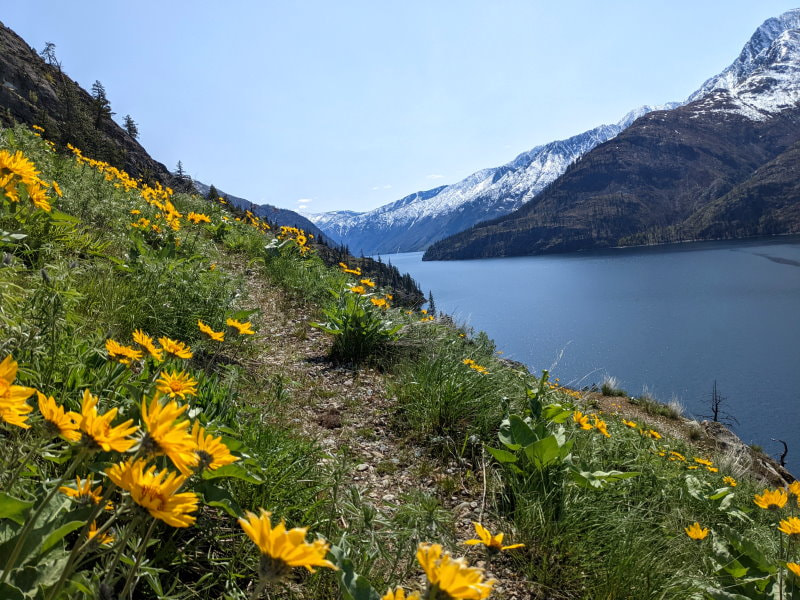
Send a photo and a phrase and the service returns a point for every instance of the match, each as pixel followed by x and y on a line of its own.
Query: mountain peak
pixel 751 57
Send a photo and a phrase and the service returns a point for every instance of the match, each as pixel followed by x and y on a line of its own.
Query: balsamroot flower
pixel 771 499
pixel 727 480
pixel 166 435
pixel 790 527
pixel 794 488
pixel 493 543
pixel 124 354
pixel 379 302
pixel 358 289
pixel 368 282
pixel 243 328
pixel 696 532
pixel 176 384
pixel 83 492
pixel 452 576
pixel 601 426
pixel 399 594
pixel 794 568
pixel 97 430
pixel 156 492
pixel 13 408
pixel 703 461
pixel 146 342
pixel 217 336
pixel 283 549
pixel 104 538
pixel 176 348
pixel 212 453
pixel 59 421
pixel 630 424
pixel 582 420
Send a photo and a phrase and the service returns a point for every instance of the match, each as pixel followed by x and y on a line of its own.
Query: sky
pixel 320 105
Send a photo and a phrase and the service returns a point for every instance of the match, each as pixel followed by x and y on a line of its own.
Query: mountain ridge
pixel 665 178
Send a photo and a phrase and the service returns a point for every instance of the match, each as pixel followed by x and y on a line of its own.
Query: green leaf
pixel 599 479
pixel 354 586
pixel 506 437
pixel 555 413
pixel 59 534
pixel 544 452
pixel 216 496
pixel 502 456
pixel 235 471
pixel 12 508
pixel 521 431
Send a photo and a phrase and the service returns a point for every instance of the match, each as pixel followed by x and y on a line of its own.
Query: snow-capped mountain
pixel 764 79
pixel 416 221
pixel 723 165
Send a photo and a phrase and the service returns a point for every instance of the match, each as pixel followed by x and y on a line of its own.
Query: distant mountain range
pixel 416 221
pixel 724 165
pixel 761 84
pixel 279 216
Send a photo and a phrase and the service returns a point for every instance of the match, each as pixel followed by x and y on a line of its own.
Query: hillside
pixel 674 175
pixel 191 366
pixel 33 91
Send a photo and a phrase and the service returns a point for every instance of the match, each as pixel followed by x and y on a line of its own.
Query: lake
pixel 667 319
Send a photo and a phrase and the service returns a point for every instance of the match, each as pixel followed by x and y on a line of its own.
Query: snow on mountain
pixel 418 220
pixel 764 79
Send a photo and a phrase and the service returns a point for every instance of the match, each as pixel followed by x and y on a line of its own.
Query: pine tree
pixel 213 194
pixel 102 107
pixel 48 53
pixel 130 127
pixel 431 303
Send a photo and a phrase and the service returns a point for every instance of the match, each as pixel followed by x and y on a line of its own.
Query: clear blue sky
pixel 353 104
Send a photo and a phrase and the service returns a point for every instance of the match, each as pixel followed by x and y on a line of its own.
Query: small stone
pixel 473 505
pixel 362 467
pixel 389 498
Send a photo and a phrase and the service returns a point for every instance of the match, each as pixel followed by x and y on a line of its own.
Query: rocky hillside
pixel 36 92
pixel 721 166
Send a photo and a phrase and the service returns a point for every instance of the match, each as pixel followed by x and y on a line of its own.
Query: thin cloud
pixel 381 187
pixel 387 187
pixel 435 176
pixel 304 200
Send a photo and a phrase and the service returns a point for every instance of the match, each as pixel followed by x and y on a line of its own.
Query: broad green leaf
pixel 506 436
pixel 521 431
pixel 545 452
pixel 555 413
pixel 216 496
pixel 236 471
pixel 502 456
pixel 12 508
pixel 59 534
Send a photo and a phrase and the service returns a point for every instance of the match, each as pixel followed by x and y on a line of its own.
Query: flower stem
pixel 139 555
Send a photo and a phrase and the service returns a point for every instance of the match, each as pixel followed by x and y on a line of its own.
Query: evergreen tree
pixel 213 194
pixel 130 127
pixel 102 107
pixel 48 53
pixel 431 303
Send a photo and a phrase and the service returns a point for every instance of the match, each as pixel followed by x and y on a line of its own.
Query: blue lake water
pixel 670 319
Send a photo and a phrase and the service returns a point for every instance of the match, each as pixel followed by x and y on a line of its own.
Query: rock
pixel 362 467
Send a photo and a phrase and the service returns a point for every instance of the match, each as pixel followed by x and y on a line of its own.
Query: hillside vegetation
pixel 194 405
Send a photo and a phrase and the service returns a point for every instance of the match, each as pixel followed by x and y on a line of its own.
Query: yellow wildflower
pixel 630 424
pixel 59 421
pixel 696 532
pixel 729 481
pixel 211 451
pixel 176 348
pixel 176 384
pixel 165 434
pixel 368 282
pixel 218 336
pixel 771 499
pixel 283 549
pixel 493 543
pixel 703 461
pixel 104 538
pixel 790 527
pixel 582 420
pixel 601 426
pixel 243 328
pixel 156 491
pixel 13 408
pixel 146 342
pixel 452 576
pixel 399 594
pixel 97 429
pixel 124 354
pixel 358 289
pixel 379 302
pixel 794 568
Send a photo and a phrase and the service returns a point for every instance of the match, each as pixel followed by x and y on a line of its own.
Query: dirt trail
pixel 343 408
